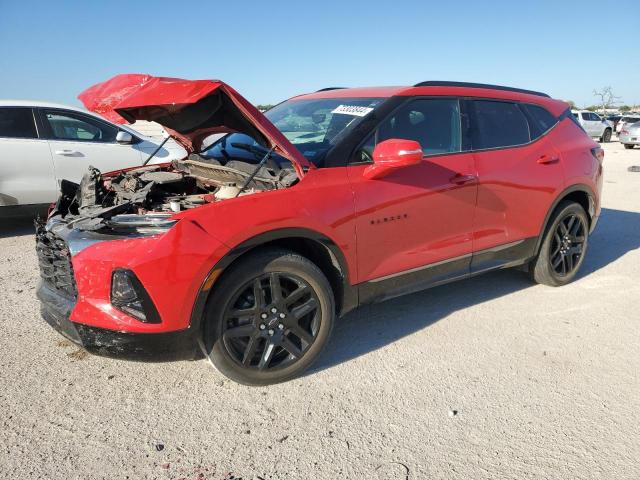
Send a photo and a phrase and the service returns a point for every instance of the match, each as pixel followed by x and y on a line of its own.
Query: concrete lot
pixel 544 382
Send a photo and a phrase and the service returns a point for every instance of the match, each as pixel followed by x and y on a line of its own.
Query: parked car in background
pixel 626 120
pixel 629 136
pixel 614 119
pixel 43 143
pixel 594 125
pixel 347 197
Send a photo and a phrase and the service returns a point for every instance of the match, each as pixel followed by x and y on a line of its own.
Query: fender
pixel 349 299
pixel 578 187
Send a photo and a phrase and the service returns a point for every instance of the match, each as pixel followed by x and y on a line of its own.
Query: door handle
pixel 461 179
pixel 546 159
pixel 67 152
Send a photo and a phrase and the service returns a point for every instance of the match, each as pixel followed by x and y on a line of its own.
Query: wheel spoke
pixel 241 331
pixel 304 309
pixel 569 262
pixel 258 294
pixel 579 239
pixel 571 223
pixel 556 262
pixel 250 351
pixel 558 245
pixel 267 355
pixel 576 227
pixel 302 334
pixel 290 347
pixel 276 288
pixel 296 295
pixel 575 250
pixel 563 228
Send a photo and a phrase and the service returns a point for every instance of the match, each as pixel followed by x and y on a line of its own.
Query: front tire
pixel 628 146
pixel 268 318
pixel 563 248
pixel 606 136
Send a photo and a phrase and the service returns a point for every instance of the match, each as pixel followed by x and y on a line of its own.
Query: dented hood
pixel 190 110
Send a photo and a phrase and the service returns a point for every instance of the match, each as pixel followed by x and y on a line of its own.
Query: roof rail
pixel 436 83
pixel 330 88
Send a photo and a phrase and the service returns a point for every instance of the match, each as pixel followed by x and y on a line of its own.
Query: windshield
pixel 313 126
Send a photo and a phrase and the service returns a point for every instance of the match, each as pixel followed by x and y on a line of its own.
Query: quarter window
pixel 541 120
pixel 498 124
pixel 70 126
pixel 17 123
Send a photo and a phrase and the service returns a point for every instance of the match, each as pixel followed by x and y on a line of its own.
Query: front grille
pixel 55 261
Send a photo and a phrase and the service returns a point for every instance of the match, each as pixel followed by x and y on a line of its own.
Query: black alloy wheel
pixel 268 317
pixel 568 244
pixel 563 247
pixel 271 321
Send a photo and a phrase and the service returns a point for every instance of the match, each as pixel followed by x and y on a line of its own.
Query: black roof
pixel 436 83
pixel 330 88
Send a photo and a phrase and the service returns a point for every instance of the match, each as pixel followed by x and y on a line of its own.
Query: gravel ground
pixel 492 377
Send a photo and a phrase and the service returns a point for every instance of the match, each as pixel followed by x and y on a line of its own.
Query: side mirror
pixel 391 155
pixel 124 137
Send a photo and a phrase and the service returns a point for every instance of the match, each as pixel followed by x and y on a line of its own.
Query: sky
pixel 271 50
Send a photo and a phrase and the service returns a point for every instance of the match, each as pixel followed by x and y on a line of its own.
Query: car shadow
pixel 374 326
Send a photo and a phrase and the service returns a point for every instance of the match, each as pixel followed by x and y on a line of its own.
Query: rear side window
pixel 17 123
pixel 497 124
pixel 540 120
pixel 71 126
pixel 586 116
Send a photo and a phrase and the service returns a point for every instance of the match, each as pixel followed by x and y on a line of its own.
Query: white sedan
pixel 43 143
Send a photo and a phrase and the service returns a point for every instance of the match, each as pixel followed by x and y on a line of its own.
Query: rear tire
pixel 628 146
pixel 268 318
pixel 563 248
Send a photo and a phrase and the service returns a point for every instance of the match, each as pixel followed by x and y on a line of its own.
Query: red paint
pixel 423 212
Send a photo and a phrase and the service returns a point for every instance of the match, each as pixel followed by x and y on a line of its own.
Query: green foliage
pixel 625 108
pixel 264 108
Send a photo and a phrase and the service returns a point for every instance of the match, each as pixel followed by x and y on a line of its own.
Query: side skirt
pixel 421 278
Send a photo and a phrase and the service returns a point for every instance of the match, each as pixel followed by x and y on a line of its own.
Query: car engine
pixel 186 184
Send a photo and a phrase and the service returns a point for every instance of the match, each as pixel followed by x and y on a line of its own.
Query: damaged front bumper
pixel 76 269
pixel 56 309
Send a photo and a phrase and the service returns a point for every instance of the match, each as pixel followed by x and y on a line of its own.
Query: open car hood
pixel 190 111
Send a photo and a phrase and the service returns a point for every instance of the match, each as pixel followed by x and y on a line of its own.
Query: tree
pixel 624 108
pixel 263 108
pixel 572 104
pixel 607 98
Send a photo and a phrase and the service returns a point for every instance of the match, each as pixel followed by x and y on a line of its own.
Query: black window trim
pixel 48 134
pixel 39 135
pixel 464 130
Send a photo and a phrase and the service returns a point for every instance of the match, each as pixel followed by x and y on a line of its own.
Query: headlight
pixel 129 296
pixel 151 224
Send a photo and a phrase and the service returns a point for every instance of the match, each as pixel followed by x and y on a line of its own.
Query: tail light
pixel 598 153
pixel 624 132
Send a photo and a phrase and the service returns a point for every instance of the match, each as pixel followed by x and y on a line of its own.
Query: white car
pixel 626 121
pixel 43 143
pixel 594 125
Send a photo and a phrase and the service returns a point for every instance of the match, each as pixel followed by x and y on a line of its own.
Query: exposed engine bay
pixel 155 192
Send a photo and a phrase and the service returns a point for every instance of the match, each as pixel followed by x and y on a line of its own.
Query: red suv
pixel 254 244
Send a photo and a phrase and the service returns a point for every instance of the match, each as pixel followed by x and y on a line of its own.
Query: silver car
pixel 629 136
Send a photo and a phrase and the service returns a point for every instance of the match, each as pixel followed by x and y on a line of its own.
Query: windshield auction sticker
pixel 354 110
